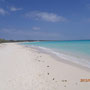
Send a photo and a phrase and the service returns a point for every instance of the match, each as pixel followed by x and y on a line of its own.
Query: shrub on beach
pixel 3 40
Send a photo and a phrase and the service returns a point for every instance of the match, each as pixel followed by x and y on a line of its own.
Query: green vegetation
pixel 10 41
pixel 7 41
pixel 3 40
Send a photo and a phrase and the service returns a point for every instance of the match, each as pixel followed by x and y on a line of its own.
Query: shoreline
pixel 24 68
pixel 56 57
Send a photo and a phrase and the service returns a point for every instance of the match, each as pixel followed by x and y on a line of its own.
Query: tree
pixel 3 40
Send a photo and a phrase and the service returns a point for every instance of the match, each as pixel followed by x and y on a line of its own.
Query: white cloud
pixel 36 28
pixel 29 34
pixel 15 9
pixel 2 11
pixel 45 16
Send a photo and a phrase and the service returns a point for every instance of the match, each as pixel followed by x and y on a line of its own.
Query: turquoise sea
pixel 77 51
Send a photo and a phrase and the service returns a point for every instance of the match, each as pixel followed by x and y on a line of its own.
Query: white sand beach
pixel 23 68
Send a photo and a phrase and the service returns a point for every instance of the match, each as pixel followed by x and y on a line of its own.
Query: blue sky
pixel 45 19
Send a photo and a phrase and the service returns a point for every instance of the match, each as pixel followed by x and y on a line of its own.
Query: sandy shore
pixel 23 68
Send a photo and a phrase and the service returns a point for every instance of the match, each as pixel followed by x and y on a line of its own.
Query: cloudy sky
pixel 45 19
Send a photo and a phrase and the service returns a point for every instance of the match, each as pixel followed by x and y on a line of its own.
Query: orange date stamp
pixel 84 80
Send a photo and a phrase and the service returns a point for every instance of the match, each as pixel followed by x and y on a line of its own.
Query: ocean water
pixel 74 51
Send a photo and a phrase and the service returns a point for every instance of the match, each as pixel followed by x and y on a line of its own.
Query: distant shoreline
pixel 10 41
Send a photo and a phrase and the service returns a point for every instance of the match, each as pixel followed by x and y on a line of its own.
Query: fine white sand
pixel 23 68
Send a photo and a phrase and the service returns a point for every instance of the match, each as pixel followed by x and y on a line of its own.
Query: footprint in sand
pixel 64 85
pixel 64 80
pixel 53 78
pixel 48 66
pixel 39 61
pixel 76 83
pixel 48 73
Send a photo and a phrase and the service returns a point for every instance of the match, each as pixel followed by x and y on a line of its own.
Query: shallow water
pixel 74 51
